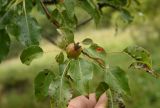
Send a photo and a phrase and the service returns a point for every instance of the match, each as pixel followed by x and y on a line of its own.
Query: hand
pixel 83 102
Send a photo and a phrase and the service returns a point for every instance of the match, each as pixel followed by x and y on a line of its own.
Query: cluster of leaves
pixel 16 21
pixel 75 76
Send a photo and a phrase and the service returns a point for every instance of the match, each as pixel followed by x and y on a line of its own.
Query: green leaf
pixel 142 66
pixel 29 31
pixel 126 16
pixel 6 18
pixel 60 94
pixel 116 78
pixel 97 53
pixel 70 5
pixel 102 87
pixel 81 71
pixel 41 84
pixel 64 19
pixel 30 53
pixel 56 16
pixel 90 8
pixel 4 44
pixel 13 30
pixel 60 58
pixel 67 34
pixel 87 41
pixel 139 54
pixel 68 21
pixel 3 3
pixel 60 89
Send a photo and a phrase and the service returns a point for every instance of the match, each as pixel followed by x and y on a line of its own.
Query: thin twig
pixel 56 24
pixel 45 10
pixel 84 22
pixel 98 60
pixel 101 5
pixel 49 15
pixel 48 38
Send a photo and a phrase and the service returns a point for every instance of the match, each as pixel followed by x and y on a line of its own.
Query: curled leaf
pixel 30 53
pixel 139 54
pixel 142 66
pixel 87 41
pixel 145 67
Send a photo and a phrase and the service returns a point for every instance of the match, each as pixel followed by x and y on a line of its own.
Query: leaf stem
pixel 120 52
pixel 61 80
pixel 24 8
pixel 110 94
pixel 51 103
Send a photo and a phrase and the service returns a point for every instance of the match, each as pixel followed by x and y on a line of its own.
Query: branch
pixel 84 22
pixel 54 22
pixel 50 40
pixel 49 15
pixel 101 5
pixel 98 60
pixel 50 2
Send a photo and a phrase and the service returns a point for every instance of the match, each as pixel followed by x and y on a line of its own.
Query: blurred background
pixel 16 79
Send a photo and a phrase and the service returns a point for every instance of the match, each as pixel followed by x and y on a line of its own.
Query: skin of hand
pixel 90 102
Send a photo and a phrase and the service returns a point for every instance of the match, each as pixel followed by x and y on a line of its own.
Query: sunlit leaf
pixel 30 53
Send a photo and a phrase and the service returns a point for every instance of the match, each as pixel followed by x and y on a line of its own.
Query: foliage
pixel 76 76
